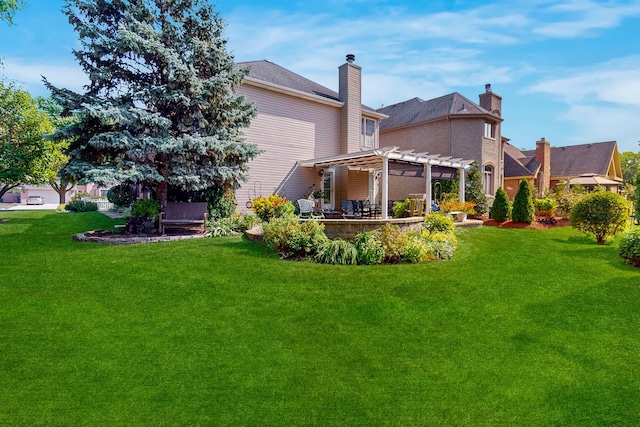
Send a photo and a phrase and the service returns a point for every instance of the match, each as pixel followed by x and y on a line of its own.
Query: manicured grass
pixel 521 327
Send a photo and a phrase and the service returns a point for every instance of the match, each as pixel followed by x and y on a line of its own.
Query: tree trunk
pixel 162 192
pixel 5 188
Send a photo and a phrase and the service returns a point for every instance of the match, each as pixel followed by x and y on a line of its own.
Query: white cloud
pixel 68 76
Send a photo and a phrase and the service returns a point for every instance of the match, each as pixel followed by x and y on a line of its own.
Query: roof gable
pixel 517 163
pixel 576 160
pixel 417 110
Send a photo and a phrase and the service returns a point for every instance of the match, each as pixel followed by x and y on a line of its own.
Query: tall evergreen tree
pixel 160 107
pixel 523 209
pixel 501 209
pixel 474 190
pixel 636 199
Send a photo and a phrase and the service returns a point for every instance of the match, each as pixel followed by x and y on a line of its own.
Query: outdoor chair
pixel 307 211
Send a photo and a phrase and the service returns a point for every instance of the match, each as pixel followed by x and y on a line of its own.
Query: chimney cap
pixel 350 58
pixel 487 87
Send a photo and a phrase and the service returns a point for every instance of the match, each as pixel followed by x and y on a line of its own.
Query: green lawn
pixel 521 327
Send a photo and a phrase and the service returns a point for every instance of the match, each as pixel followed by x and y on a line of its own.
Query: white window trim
pixel 363 127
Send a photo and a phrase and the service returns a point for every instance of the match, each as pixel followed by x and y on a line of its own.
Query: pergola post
pixel 427 169
pixel 461 189
pixel 385 188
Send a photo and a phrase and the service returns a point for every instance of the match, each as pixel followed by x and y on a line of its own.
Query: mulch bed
pixel 537 224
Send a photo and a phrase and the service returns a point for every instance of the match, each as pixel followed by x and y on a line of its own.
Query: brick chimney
pixel 543 156
pixel 491 101
pixel 350 92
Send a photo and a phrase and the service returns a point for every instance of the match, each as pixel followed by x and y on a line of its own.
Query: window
pixel 368 138
pixel 327 189
pixel 488 130
pixel 488 180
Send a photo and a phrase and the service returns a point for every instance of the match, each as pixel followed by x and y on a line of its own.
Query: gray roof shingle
pixel 417 110
pixel 269 72
pixel 575 160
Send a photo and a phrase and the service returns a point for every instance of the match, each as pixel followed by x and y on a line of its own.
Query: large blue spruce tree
pixel 160 108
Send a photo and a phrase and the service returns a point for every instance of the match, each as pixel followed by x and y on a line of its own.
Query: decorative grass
pixel 521 327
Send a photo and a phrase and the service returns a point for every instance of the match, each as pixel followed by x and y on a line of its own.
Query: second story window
pixel 368 136
pixel 489 130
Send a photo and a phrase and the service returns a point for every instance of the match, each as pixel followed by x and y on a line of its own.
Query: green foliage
pixel 602 214
pixel 339 252
pixel 442 244
pixel 294 238
pixel 392 240
pixel 81 195
pixel 566 196
pixel 501 208
pixel 231 225
pixel 8 8
pixel 370 250
pixel 438 222
pixel 122 195
pixel 26 156
pixel 272 206
pixel 147 208
pixel 630 164
pixel 474 190
pixel 160 107
pixel 400 208
pixel 546 205
pixel 629 248
pixel 414 248
pixel 81 206
pixel 221 203
pixel 523 210
pixel 636 199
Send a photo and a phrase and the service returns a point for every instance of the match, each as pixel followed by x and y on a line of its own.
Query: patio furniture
pixel 307 211
pixel 183 214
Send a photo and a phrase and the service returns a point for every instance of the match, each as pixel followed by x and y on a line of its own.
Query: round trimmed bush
pixel 601 213
pixel 630 247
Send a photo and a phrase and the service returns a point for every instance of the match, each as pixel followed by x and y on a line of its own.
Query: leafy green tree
pixel 602 214
pixel 636 199
pixel 630 164
pixel 500 210
pixel 62 182
pixel 523 209
pixel 160 107
pixel 474 190
pixel 25 154
pixel 8 8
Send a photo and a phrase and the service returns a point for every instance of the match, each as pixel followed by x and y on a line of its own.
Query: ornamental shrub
pixel 370 250
pixel 392 240
pixel 546 205
pixel 340 252
pixel 523 210
pixel 630 247
pixel 500 209
pixel 636 199
pixel 474 190
pixel 438 222
pixel 122 195
pixel 147 208
pixel 415 249
pixel 272 206
pixel 81 206
pixel 400 208
pixel 602 214
pixel 293 238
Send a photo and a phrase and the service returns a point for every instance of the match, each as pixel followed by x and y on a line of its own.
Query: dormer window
pixel 368 133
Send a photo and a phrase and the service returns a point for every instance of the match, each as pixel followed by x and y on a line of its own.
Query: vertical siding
pixel 288 129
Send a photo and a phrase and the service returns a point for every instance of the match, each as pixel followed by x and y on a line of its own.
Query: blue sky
pixel 568 71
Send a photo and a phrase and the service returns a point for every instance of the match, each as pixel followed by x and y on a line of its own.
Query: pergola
pixel 393 161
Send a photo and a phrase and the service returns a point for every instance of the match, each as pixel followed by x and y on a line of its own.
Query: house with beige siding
pixel 451 125
pixel 584 164
pixel 299 119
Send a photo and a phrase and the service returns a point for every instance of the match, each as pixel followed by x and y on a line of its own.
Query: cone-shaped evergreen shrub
pixel 474 190
pixel 523 210
pixel 500 208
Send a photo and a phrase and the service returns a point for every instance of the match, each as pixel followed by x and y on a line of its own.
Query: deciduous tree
pixel 160 107
pixel 8 9
pixel 25 154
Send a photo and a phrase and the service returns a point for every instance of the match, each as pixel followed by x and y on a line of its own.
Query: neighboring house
pixel 52 197
pixel 584 164
pixel 450 125
pixel 315 138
